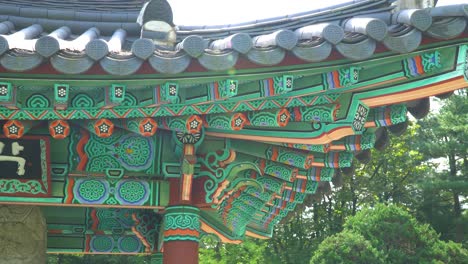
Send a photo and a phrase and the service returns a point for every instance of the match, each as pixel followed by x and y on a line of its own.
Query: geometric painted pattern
pixel 96 191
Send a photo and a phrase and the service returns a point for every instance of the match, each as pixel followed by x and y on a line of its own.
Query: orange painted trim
pixel 388 99
pixel 419 64
pixel 417 93
pixel 187 179
pixel 186 187
pixel 218 191
pixel 181 232
pixel 322 139
pixel 255 235
pixel 338 147
pixel 54 231
pixel 70 195
pixel 208 229
pixel 80 149
pixel 139 235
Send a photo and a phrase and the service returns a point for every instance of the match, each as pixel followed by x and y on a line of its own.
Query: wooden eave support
pixel 382 138
pixel 399 129
pixel 364 156
pixel 292 157
pixel 387 116
pixel 277 170
pixel 317 174
pixel 419 108
pixel 271 184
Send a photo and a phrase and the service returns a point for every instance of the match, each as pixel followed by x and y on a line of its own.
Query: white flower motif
pixel 3 90
pixel 13 129
pixel 59 129
pixel 356 75
pixel 148 127
pixel 118 92
pixel 283 118
pixel 194 124
pixel 172 90
pixel 232 87
pixel 62 92
pixel 104 128
pixel 238 122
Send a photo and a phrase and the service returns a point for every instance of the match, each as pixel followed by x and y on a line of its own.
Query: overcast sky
pixel 218 12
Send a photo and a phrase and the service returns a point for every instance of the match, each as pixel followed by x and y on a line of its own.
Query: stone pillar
pixel 181 235
pixel 23 235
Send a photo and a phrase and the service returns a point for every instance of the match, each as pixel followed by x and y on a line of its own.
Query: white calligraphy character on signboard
pixel 15 150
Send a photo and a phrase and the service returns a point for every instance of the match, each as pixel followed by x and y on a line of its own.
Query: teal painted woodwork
pixel 263 139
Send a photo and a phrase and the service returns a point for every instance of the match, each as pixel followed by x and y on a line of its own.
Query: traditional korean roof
pixel 74 39
pixel 132 6
pixel 262 114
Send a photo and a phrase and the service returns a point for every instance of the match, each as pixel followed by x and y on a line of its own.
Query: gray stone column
pixel 23 235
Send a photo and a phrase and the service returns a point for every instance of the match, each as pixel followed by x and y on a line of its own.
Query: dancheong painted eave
pixel 75 41
pixel 149 136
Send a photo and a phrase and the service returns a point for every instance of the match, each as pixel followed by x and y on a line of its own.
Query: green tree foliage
pixel 391 176
pixel 396 233
pixel 215 252
pixel 293 241
pixel 346 248
pixel 403 174
pixel 407 174
pixel 444 142
pixel 387 234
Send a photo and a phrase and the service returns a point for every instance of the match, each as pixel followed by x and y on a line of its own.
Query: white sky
pixel 221 12
pixel 218 12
